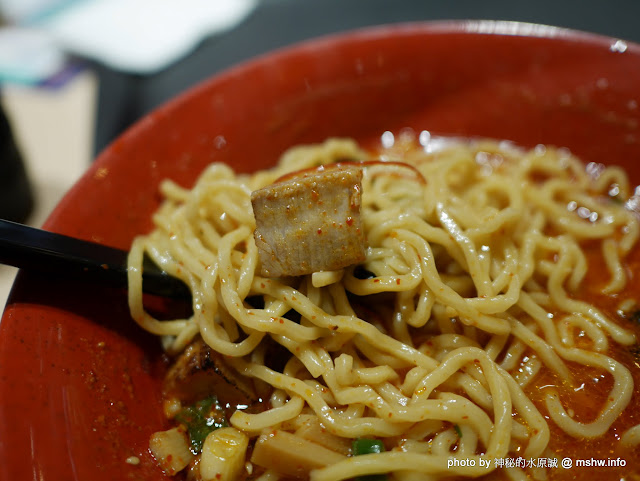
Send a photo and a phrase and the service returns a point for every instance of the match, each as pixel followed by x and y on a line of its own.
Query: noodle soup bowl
pixel 80 382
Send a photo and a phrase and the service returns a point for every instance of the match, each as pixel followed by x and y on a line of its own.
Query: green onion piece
pixel 368 446
pixel 200 419
pixel 458 430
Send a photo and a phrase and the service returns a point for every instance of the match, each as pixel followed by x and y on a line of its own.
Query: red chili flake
pixel 349 221
pixel 319 231
pixel 398 281
pixel 376 280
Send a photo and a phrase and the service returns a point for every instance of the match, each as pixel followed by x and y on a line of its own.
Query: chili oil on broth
pixel 446 331
pixel 591 387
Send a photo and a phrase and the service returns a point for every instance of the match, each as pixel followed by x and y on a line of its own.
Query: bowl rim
pixel 361 34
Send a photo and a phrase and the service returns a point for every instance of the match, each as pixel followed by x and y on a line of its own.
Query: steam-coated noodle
pixel 469 332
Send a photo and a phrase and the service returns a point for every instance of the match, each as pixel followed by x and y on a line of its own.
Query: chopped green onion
pixel 368 446
pixel 458 430
pixel 200 419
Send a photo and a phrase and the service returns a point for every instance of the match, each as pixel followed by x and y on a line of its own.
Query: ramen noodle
pixel 489 331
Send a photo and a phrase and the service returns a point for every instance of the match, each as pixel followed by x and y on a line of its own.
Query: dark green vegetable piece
pixel 200 419
pixel 458 430
pixel 368 446
pixel 361 273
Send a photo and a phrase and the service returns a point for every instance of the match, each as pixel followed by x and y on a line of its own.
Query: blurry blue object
pixel 28 56
pixel 24 12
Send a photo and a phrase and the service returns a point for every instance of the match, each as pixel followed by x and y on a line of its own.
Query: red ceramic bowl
pixel 79 381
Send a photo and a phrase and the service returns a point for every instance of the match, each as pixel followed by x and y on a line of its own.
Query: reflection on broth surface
pixel 490 329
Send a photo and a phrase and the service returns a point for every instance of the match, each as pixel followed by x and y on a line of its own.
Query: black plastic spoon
pixel 59 255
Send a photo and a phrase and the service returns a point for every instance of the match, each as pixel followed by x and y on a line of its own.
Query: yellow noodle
pixel 631 437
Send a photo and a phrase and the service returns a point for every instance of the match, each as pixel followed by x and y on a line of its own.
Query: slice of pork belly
pixel 310 222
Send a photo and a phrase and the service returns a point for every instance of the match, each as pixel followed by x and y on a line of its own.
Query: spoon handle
pixel 35 249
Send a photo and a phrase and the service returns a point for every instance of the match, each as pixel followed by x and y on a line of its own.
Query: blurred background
pixel 75 73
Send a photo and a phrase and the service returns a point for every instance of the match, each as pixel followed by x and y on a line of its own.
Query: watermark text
pixel 521 462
